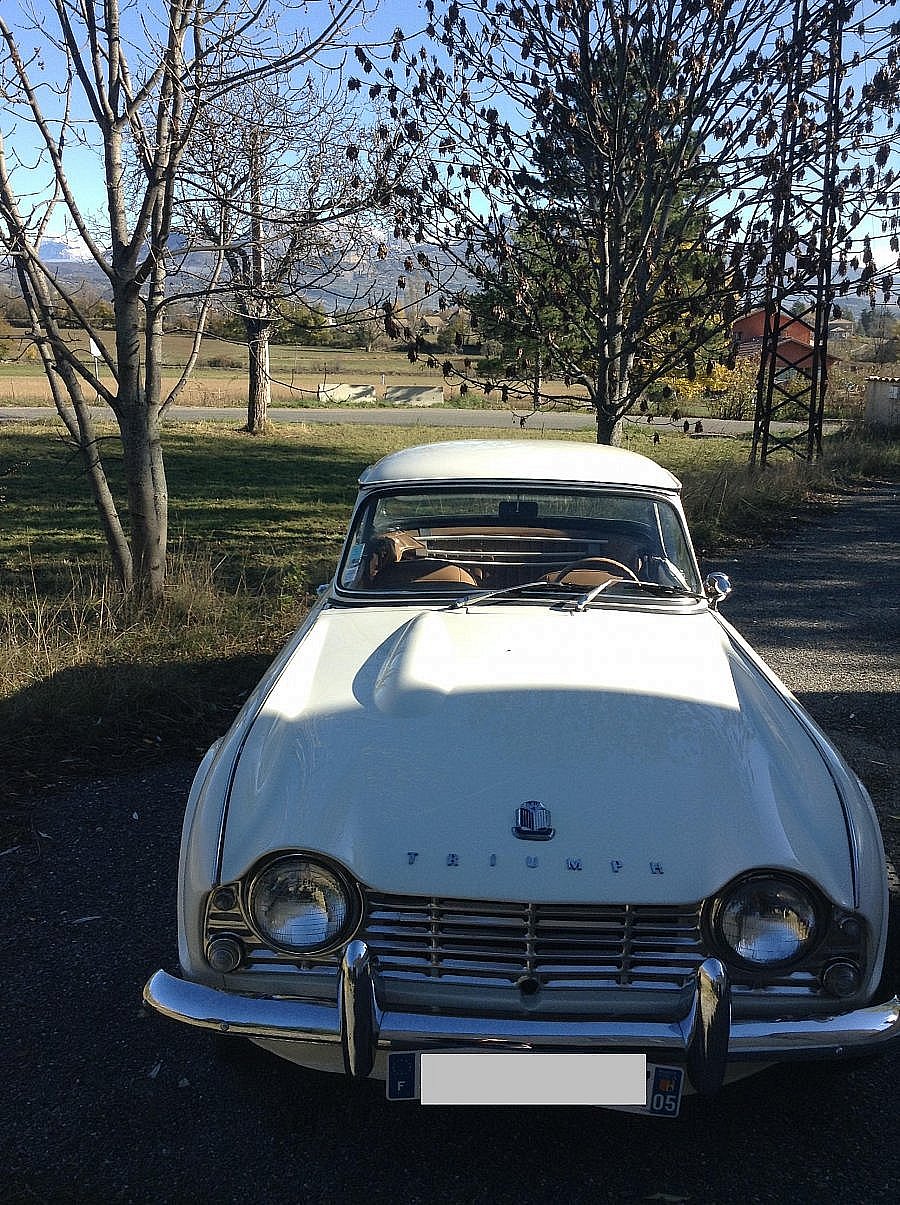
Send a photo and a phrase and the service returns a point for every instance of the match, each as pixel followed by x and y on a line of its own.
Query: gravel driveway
pixel 103 1102
pixel 823 608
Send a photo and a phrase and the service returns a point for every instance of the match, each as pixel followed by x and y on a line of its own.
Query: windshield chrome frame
pixel 370 494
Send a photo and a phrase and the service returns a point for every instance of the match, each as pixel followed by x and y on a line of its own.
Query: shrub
pixel 224 362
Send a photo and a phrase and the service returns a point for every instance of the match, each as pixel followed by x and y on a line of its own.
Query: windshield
pixel 455 541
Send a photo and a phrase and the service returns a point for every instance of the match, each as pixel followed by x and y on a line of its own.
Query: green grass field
pixel 276 503
pixel 255 523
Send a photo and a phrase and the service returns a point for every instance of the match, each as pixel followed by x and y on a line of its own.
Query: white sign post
pixel 95 355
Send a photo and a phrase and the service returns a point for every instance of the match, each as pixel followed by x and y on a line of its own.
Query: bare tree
pixel 619 161
pixel 79 74
pixel 281 185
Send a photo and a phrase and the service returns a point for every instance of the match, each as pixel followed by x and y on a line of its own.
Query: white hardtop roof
pixel 531 460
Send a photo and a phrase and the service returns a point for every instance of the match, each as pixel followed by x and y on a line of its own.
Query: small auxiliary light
pixel 224 954
pixel 224 899
pixel 841 979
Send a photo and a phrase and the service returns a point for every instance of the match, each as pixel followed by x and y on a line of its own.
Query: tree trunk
pixel 142 458
pixel 259 384
pixel 71 405
pixel 609 429
pixel 609 394
pixel 106 507
pixel 536 382
pixel 148 500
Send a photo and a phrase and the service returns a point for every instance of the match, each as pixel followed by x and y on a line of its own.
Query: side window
pixel 675 546
pixel 353 564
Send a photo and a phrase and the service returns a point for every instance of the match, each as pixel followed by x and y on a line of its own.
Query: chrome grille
pixel 554 945
pixel 493 945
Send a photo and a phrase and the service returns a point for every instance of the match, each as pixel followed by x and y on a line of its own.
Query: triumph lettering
pixel 616 865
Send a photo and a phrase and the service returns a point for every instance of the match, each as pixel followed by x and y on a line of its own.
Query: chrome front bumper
pixel 705 1039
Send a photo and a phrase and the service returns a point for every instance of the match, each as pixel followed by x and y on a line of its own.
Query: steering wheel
pixel 592 562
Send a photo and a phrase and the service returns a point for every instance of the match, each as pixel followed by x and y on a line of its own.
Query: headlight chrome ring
pixel 766 921
pixel 301 904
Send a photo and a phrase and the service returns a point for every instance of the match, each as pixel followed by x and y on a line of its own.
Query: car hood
pixel 403 748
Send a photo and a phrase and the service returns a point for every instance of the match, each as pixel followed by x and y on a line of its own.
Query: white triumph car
pixel 516 816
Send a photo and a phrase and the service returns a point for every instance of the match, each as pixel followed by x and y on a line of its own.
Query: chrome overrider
pixel 705 1038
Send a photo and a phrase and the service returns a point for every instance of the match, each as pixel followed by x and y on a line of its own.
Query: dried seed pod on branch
pixel 607 173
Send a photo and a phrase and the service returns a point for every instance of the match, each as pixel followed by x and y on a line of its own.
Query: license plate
pixel 664 1088
pixel 618 1081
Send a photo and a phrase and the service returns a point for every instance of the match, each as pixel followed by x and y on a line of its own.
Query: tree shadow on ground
pixel 89 719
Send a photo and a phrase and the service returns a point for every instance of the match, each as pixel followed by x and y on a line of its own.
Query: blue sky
pixel 84 164
pixel 85 168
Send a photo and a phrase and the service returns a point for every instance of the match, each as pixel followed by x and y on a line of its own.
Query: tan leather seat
pixel 421 571
pixel 401 544
pixel 385 551
pixel 586 575
pixel 618 560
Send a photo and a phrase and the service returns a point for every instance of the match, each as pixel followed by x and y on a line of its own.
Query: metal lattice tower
pixel 790 379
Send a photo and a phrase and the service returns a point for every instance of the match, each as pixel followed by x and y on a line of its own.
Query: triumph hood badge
pixel 533 822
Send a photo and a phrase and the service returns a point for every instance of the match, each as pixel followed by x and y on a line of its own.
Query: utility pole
pixel 793 372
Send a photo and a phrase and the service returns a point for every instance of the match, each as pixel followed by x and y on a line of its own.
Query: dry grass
pixel 729 505
pixel 86 680
pixel 220 378
pixel 213 387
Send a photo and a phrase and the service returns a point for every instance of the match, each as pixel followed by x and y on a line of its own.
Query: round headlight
pixel 300 905
pixel 766 921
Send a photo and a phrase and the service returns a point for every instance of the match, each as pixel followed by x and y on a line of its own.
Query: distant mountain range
pixel 65 249
pixel 370 279
pixel 373 278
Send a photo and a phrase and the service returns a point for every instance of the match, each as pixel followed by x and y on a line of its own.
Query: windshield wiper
pixel 469 600
pixel 662 588
pixel 577 604
pixel 585 600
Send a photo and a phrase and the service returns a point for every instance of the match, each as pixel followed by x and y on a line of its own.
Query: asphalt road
pixel 105 1102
